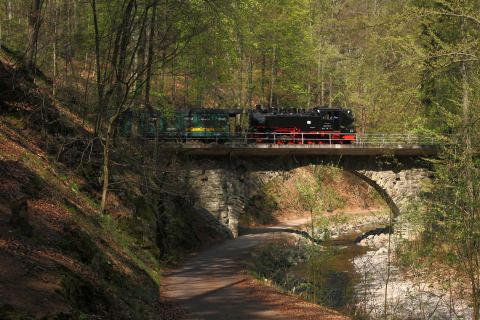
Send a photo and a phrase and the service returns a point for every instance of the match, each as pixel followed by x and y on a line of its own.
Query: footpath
pixel 214 285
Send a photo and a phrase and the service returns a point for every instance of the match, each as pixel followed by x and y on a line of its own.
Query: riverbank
pixel 404 293
pixel 356 277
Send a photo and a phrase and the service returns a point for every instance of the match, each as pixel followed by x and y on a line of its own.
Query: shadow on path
pixel 210 284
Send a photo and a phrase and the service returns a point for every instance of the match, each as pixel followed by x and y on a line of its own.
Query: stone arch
pixel 223 185
pixel 383 193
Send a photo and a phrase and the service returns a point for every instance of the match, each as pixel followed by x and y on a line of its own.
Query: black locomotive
pixel 315 126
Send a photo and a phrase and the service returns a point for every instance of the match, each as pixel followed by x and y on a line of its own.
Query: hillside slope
pixel 59 258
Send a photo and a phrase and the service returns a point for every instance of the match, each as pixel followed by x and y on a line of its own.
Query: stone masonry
pixel 223 185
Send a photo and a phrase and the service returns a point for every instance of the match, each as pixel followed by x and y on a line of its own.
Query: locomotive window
pixel 329 116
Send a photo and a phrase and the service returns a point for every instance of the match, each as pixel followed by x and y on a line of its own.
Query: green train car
pixel 206 123
pixel 198 123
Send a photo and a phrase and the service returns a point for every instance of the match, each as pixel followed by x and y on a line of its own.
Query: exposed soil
pixel 58 257
pixel 214 285
pixel 280 200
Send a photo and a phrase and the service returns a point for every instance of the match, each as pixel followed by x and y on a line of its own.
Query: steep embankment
pixel 59 258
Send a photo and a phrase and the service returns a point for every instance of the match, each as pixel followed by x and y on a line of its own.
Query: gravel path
pixel 213 285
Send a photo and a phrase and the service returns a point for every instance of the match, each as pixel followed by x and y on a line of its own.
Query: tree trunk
pixel 186 89
pixel 466 106
pixel 250 82
pixel 319 80
pixel 98 71
pixel 106 167
pixel 55 21
pixel 322 85
pixel 240 77
pixel 272 84
pixel 471 216
pixel 87 86
pixel 9 9
pixel 148 81
pixel 140 65
pixel 119 59
pixel 34 21
pixel 174 85
pixel 309 88
pixel 264 67
pixel 330 93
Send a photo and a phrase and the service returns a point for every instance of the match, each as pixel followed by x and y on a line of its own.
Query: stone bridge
pixel 222 183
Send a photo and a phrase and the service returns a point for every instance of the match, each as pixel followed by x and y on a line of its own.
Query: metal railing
pixel 375 139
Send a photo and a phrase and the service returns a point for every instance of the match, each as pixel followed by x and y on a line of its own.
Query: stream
pixel 351 278
pixel 334 270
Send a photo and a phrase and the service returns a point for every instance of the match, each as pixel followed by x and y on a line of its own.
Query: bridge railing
pixel 375 139
pixel 391 139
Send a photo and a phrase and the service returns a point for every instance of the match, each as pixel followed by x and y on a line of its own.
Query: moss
pixel 79 245
pixel 120 233
pixel 144 210
pixel 7 312
pixel 82 294
pixel 75 187
pixel 20 219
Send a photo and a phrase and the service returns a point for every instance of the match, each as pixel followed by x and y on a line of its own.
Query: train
pixel 258 125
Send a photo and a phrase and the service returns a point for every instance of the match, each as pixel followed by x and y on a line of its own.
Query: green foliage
pixel 449 38
pixel 310 194
pixel 274 261
pixel 82 294
pixel 301 269
pixel 319 194
pixel 332 199
pixel 364 55
pixel 7 312
pixel 260 209
pixel 79 245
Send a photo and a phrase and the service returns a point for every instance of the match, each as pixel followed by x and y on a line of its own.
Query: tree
pixel 34 22
pixel 451 220
pixel 311 195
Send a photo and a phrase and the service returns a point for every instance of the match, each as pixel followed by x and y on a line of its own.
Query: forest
pixel 387 60
pixel 401 66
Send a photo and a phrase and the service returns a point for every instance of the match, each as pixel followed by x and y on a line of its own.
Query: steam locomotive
pixel 315 126
pixel 259 125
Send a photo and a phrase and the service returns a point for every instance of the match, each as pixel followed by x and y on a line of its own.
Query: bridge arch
pixel 222 185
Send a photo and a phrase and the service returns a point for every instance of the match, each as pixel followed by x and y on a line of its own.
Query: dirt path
pixel 213 285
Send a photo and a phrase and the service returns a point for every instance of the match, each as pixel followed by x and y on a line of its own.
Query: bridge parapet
pixel 258 150
pixel 275 144
pixel 304 138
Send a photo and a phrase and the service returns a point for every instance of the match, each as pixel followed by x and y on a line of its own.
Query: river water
pixel 333 271
pixel 351 278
